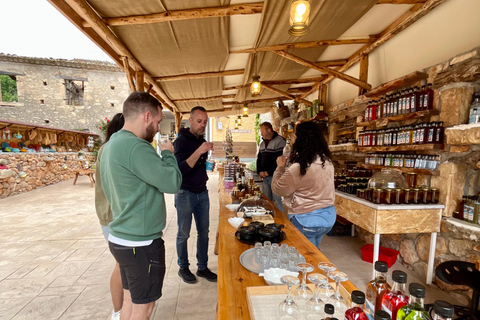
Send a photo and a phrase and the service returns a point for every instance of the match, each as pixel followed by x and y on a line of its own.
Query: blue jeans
pixel 190 204
pixel 267 191
pixel 314 225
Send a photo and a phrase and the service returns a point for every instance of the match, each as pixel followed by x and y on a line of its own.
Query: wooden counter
pixel 233 278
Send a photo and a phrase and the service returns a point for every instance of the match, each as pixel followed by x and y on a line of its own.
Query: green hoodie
pixel 134 179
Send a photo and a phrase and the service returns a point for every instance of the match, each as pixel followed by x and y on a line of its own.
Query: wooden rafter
pixel 285 94
pixel 189 76
pixel 139 84
pixel 312 90
pixel 331 63
pixel 407 19
pixel 128 73
pixel 227 96
pixel 83 9
pixel 232 103
pixel 363 72
pixel 279 82
pixel 331 72
pixel 299 90
pixel 175 15
pixel 400 1
pixel 305 45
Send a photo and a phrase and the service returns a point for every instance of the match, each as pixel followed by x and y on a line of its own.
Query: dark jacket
pixel 267 157
pixel 194 179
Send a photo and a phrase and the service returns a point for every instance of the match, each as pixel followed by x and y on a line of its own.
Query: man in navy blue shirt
pixel 191 151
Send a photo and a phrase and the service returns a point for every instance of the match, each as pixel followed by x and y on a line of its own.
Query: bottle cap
pixel 381 266
pixel 416 290
pixel 358 297
pixel 329 308
pixel 443 309
pixel 399 276
pixel 381 315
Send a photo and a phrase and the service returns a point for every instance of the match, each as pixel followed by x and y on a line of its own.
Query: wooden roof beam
pixel 176 15
pixel 227 96
pixel 279 82
pixel 401 1
pixel 189 76
pixel 232 103
pixel 305 45
pixel 407 19
pixel 285 94
pixel 83 9
pixel 330 72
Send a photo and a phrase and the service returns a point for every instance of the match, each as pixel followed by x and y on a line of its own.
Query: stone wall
pixel 42 169
pixel 41 92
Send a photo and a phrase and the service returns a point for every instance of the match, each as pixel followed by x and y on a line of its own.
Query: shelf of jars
pixel 346 132
pixel 404 81
pixel 401 117
pixel 403 169
pixel 343 147
pixel 408 147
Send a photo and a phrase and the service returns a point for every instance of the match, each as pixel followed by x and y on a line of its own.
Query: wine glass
pixel 326 289
pixel 288 309
pixel 315 305
pixel 336 299
pixel 303 292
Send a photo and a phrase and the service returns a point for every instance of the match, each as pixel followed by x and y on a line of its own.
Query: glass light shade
pixel 387 179
pixel 245 111
pixel 238 122
pixel 299 17
pixel 256 86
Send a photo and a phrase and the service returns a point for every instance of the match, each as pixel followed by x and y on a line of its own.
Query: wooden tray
pixel 262 291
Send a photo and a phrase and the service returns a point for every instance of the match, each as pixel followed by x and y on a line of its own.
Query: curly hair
pixel 309 145
pixel 114 125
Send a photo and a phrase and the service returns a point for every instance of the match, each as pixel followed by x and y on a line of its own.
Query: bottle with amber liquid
pixel 395 299
pixel 356 312
pixel 376 289
pixel 414 310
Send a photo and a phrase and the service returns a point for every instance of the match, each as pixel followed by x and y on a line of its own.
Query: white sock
pixel 116 313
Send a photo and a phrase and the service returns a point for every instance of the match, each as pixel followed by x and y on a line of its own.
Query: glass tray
pixel 247 259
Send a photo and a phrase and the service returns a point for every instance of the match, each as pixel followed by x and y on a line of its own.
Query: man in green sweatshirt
pixel 134 179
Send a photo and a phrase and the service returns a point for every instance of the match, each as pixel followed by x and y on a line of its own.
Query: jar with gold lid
pixel 377 196
pixel 387 196
pixel 435 195
pixel 416 196
pixel 408 196
pixel 427 195
pixel 399 196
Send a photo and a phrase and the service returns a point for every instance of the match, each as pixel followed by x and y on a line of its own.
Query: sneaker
pixel 207 274
pixel 187 276
pixel 115 315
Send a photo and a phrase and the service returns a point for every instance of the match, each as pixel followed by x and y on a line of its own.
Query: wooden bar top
pixel 233 278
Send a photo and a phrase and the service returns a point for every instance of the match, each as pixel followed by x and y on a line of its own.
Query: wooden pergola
pixel 186 56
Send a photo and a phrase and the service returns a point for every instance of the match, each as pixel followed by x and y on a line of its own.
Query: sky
pixel 34 28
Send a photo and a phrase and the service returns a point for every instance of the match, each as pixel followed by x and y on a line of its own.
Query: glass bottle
pixel 476 208
pixel 461 208
pixel 382 315
pixel 439 133
pixel 329 311
pixel 409 100
pixel 414 99
pixel 435 195
pixel 420 101
pixel 386 107
pixel 431 132
pixel 377 288
pixel 395 299
pixel 474 107
pixel 356 312
pixel 442 310
pixel 428 98
pixel 380 108
pixel 401 102
pixel 414 310
pixel 468 210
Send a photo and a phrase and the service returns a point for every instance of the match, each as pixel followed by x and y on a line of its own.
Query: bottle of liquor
pixel 414 101
pixel 428 98
pixel 442 310
pixel 377 288
pixel 356 312
pixel 414 310
pixel 329 311
pixel 421 99
pixel 382 315
pixel 395 299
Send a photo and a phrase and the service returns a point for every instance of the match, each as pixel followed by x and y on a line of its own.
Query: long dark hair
pixel 114 125
pixel 309 145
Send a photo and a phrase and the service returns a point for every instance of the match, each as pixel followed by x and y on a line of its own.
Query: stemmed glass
pixel 337 299
pixel 326 288
pixel 303 292
pixel 315 305
pixel 288 309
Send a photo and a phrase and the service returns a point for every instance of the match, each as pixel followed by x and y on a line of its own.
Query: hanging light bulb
pixel 239 121
pixel 299 17
pixel 245 111
pixel 256 86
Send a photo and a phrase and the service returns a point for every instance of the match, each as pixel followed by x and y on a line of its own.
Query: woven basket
pixel 282 110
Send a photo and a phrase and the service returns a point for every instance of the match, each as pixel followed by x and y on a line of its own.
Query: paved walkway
pixel 54 261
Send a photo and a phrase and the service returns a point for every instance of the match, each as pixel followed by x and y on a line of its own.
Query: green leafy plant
pixel 257 128
pixel 102 125
pixel 8 84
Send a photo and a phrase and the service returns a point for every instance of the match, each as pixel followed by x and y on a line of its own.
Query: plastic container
pixel 388 178
pixel 385 254
pixel 210 165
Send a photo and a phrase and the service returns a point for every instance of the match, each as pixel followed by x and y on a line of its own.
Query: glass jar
pixel 411 179
pixel 387 178
pixel 387 196
pixel 369 194
pixel 435 195
pixel 377 196
pixel 408 196
pixel 416 198
pixel 426 195
pixel 399 196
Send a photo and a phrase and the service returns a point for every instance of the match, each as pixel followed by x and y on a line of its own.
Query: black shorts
pixel 142 270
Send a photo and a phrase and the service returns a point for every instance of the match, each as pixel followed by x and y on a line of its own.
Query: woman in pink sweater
pixel 307 184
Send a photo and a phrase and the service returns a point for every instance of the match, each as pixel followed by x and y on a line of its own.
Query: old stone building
pixel 69 94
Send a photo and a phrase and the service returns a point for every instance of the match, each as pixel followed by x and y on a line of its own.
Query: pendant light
pixel 256 86
pixel 238 122
pixel 245 110
pixel 299 17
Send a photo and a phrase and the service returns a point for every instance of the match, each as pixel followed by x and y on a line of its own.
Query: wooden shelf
pixel 414 147
pixel 397 84
pixel 404 170
pixel 401 117
pixel 319 116
pixel 345 132
pixel 343 147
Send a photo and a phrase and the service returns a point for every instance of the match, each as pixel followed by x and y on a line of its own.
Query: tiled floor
pixel 54 262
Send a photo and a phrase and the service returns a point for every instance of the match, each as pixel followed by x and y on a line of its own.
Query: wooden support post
pixel 178 120
pixel 363 72
pixel 150 87
pixel 128 73
pixel 139 86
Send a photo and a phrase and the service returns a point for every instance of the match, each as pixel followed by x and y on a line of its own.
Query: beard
pixel 150 133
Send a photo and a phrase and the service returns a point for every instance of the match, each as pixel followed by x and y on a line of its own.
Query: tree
pixel 8 84
pixel 257 129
